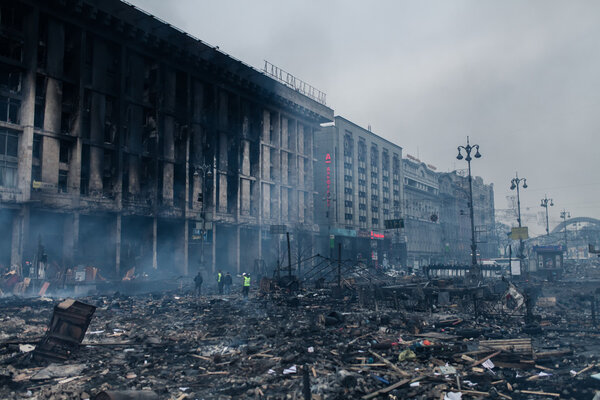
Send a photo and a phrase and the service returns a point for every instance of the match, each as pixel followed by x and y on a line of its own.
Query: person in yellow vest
pixel 245 284
pixel 220 281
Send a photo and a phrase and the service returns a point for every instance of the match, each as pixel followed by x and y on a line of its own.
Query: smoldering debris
pixel 174 345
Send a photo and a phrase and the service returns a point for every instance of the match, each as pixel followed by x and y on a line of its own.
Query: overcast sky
pixel 521 78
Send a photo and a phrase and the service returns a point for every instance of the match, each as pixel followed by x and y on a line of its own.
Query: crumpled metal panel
pixel 66 330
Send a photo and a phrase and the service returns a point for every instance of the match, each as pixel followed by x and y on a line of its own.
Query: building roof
pixel 339 117
pixel 135 25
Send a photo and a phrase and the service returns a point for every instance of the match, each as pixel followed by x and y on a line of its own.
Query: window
pixel 374 186
pixel 362 206
pixel 348 190
pixel 362 218
pixel 374 197
pixel 348 144
pixel 348 217
pixel 348 178
pixel 64 152
pixel 9 149
pixel 374 209
pixel 62 181
pixel 375 221
pixel 348 203
pixel 37 146
pixel 10 79
pixel 362 194
pixel 9 109
pixel 11 47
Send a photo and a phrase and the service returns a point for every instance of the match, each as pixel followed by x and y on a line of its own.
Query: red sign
pixel 327 158
pixel 377 235
pixel 328 185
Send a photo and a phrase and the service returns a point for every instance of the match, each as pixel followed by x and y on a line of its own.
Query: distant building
pixel 455 218
pixel 358 177
pixel 422 213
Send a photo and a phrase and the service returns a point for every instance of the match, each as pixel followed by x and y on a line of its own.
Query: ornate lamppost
pixel 475 271
pixel 514 184
pixel 545 203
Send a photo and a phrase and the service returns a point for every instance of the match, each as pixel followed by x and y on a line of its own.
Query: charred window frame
pixel 12 15
pixel 63 179
pixel 42 48
pixel 9 152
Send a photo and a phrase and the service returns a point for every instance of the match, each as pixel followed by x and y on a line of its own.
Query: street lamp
pixel 476 272
pixel 514 184
pixel 545 203
pixel 564 214
pixel 204 170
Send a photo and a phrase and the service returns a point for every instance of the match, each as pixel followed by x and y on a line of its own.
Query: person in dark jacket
pixel 198 282
pixel 227 282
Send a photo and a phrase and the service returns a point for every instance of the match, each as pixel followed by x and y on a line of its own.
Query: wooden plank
pixel 389 364
pixel 386 390
pixel 484 359
pixel 541 393
pixel 437 335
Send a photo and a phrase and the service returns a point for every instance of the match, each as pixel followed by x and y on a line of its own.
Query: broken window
pixel 64 151
pixel 9 149
pixel 9 109
pixel 11 15
pixel 63 177
pixel 10 78
pixel 42 48
pixel 40 96
pixel 11 47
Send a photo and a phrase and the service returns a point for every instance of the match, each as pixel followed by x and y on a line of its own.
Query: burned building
pixel 125 142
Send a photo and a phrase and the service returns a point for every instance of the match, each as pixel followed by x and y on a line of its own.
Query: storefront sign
pixel 343 232
pixel 377 235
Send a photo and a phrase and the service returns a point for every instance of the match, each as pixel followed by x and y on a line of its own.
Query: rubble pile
pixel 307 345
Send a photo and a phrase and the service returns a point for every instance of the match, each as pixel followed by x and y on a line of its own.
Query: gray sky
pixel 522 79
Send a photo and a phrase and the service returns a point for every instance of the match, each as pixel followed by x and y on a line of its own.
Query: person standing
pixel 198 282
pixel 246 285
pixel 220 282
pixel 227 281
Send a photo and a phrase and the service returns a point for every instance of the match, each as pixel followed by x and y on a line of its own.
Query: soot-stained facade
pixel 125 142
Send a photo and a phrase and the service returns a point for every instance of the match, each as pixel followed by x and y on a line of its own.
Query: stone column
pixel 168 137
pixel 20 230
pixel 118 222
pixel 53 103
pixel 154 243
pixel 237 249
pixel 71 239
pixel 30 28
pixel 186 247
pixel 214 248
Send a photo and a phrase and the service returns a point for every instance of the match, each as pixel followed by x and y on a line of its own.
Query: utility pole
pixel 564 214
pixel 339 277
pixel 289 255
